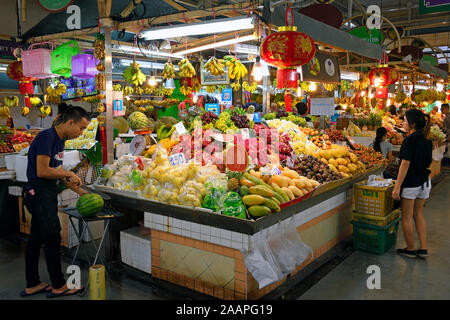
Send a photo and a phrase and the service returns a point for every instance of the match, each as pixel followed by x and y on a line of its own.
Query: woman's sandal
pixel 64 293
pixel 24 293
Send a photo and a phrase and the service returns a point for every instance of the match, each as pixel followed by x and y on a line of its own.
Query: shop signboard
pixel 372 35
pixel 213 107
pixel 323 67
pixel 432 6
pixel 55 5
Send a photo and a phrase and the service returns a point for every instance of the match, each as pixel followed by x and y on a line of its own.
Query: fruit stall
pixel 235 194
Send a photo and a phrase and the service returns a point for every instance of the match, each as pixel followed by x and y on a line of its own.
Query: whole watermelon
pixel 138 121
pixel 89 204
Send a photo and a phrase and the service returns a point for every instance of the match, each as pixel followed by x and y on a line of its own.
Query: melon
pixel 121 124
pixel 138 121
pixel 89 204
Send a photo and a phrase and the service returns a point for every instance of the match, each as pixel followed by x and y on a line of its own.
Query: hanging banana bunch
pixel 55 92
pixel 5 112
pixel 25 111
pixel 99 47
pixel 215 67
pixel 134 75
pixel 330 87
pixel 100 82
pixel 128 90
pixel 186 69
pixel 117 87
pixel 211 89
pixel 345 85
pixel 185 90
pixel 169 71
pixel 12 101
pixel 236 70
pixel 35 101
pixel 101 107
pixel 138 91
pixel 250 88
pixel 236 86
pixel 45 110
pixel 149 90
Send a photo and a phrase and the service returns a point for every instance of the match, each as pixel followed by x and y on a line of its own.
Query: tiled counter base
pixel 208 259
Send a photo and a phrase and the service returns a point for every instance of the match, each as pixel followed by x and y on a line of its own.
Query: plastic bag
pixel 294 244
pixel 280 250
pixel 233 206
pixel 215 194
pixel 260 262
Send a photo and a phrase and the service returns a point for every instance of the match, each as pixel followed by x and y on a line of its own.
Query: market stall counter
pixel 206 252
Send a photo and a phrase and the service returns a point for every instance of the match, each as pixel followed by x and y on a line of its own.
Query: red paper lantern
pixel 26 87
pixel 15 72
pixel 287 49
pixel 383 76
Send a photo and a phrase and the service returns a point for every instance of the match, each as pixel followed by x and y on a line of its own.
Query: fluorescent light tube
pixel 219 44
pixel 194 29
pixel 353 76
pixel 242 48
pixel 130 49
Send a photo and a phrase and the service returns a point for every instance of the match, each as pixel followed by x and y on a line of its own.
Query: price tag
pixel 180 128
pixel 257 117
pixel 290 162
pixel 276 171
pixel 177 159
pixel 245 134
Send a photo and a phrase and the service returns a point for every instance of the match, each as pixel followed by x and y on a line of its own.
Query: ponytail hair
pixel 381 132
pixel 419 121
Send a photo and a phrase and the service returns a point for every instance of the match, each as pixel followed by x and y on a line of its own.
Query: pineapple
pixel 233 180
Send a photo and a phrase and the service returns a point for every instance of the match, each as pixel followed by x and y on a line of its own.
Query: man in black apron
pixel 45 158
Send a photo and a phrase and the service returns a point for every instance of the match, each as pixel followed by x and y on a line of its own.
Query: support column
pixel 266 94
pixel 109 126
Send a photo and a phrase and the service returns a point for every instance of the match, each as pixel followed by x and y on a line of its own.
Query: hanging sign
pixel 55 5
pixel 372 35
pixel 227 96
pixel 324 67
pixel 213 107
pixel 431 6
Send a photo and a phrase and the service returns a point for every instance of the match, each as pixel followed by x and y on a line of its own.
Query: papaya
pixel 333 167
pixel 261 190
pixel 280 192
pixel 341 161
pixel 333 162
pixel 289 193
pixel 245 182
pixel 244 191
pixel 259 211
pixel 272 205
pixel 291 174
pixel 252 200
pixel 299 183
pixel 278 196
pixel 275 199
pixel 296 191
pixel 253 179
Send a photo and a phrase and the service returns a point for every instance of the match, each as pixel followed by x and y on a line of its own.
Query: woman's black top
pixel 418 150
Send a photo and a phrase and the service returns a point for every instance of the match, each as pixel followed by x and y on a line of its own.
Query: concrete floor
pixel 401 278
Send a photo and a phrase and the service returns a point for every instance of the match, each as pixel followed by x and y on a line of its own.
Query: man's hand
pixel 73 180
pixel 396 193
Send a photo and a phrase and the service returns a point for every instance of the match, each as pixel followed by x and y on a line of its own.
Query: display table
pixel 202 251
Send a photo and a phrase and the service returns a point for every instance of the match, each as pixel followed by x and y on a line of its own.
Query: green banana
pixel 169 133
pixel 159 131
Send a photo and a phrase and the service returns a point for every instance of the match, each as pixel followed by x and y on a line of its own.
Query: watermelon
pixel 89 204
pixel 121 124
pixel 138 121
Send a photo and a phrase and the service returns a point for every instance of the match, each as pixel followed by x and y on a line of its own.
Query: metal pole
pixel 109 93
pixel 266 94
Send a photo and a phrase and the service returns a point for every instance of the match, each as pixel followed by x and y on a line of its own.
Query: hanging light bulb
pixel 312 86
pixel 363 93
pixel 194 99
pixel 377 82
pixel 257 70
pixel 152 81
pixel 170 84
pixel 299 92
pixel 370 95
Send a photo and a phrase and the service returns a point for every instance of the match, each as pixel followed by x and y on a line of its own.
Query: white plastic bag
pixel 295 246
pixel 260 262
pixel 438 153
pixel 280 250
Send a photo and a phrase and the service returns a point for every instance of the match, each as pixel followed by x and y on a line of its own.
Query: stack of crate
pixel 375 223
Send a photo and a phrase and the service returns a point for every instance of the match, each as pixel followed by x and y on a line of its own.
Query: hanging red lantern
pixel 287 49
pixel 26 87
pixel 15 72
pixel 383 76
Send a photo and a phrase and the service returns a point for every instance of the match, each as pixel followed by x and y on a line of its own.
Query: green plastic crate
pixel 374 239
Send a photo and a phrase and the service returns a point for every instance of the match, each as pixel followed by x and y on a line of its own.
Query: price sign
pixel 177 158
pixel 245 134
pixel 213 107
pixel 257 117
pixel 290 162
pixel 227 96
pixel 180 128
pixel 276 171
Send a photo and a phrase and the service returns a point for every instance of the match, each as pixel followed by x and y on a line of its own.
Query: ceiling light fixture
pixel 219 44
pixel 194 29
pixel 257 70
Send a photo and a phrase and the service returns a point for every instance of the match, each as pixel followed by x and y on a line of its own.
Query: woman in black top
pixel 413 184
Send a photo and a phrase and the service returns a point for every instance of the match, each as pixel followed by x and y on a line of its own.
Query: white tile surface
pixel 186 233
pixel 226 243
pixel 196 235
pixel 236 236
pixel 147 224
pixel 177 231
pixel 225 234
pixel 185 225
pixel 215 232
pixel 195 227
pixel 215 240
pixel 205 237
pixel 176 223
pixel 204 229
pixel 236 245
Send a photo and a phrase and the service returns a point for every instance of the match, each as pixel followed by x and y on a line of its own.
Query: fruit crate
pixel 375 220
pixel 374 239
pixel 376 201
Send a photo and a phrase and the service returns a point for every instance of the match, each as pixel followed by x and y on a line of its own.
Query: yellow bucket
pixel 97 282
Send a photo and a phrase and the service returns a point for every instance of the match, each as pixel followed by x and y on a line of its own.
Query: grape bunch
pixel 315 169
pixel 241 121
pixel 282 113
pixel 208 117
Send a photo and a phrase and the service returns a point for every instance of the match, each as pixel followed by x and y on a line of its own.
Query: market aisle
pixel 12 267
pixel 401 278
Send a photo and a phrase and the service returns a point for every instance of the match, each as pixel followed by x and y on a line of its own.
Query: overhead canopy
pixel 426 67
pixel 324 33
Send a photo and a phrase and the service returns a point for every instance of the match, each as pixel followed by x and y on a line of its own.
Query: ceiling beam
pixel 178 7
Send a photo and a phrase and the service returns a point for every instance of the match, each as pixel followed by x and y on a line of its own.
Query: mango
pixel 296 191
pixel 259 211
pixel 272 205
pixel 289 193
pixel 252 200
pixel 281 193
pixel 275 199
pixel 279 198
pixel 343 169
pixel 333 162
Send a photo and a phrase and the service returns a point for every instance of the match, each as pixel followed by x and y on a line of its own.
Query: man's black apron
pixel 41 200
